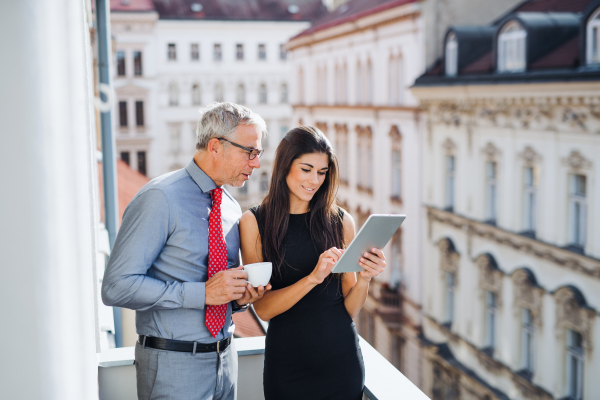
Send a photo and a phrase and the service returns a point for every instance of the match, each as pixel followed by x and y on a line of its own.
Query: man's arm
pixel 142 236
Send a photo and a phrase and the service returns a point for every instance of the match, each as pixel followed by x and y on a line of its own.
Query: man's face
pixel 236 167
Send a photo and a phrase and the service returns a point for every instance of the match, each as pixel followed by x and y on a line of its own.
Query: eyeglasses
pixel 252 153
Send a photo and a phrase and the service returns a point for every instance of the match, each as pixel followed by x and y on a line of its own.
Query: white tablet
pixel 376 232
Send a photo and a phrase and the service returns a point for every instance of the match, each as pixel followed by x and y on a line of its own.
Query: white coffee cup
pixel 259 273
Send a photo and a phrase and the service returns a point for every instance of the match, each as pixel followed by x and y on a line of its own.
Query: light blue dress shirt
pixel 159 263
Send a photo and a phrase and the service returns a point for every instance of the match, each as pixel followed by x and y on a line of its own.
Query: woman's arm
pixel 275 302
pixel 355 290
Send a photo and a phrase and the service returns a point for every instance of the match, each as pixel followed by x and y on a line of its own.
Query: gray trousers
pixel 173 375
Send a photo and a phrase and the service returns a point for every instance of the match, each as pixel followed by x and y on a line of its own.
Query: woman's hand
pixel 372 263
pixel 325 264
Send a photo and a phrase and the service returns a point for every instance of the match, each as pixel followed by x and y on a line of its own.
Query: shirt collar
pixel 204 182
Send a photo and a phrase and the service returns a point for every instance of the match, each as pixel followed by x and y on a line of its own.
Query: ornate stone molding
pixel 530 157
pixel 340 128
pixel 527 294
pixel 449 258
pixel 322 126
pixel 490 277
pixel 395 134
pixel 491 152
pixel 577 162
pixel 557 113
pixel 449 146
pixel 557 255
pixel 573 313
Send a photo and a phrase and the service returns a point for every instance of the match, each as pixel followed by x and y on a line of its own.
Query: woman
pixel 311 349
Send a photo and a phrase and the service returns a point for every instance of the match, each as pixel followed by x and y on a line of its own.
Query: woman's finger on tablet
pixel 378 253
pixel 377 269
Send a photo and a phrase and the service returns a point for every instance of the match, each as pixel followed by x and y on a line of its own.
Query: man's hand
pixel 252 294
pixel 225 286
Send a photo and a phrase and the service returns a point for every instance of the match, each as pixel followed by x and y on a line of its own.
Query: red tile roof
pixel 351 11
pixel 246 325
pixel 552 6
pixel 482 65
pixel 237 10
pixel 565 56
pixel 131 5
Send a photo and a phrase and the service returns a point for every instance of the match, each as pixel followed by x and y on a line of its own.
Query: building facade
pixel 173 58
pixel 352 71
pixel 512 238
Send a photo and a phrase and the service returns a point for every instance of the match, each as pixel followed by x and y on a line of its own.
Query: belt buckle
pixel 218 351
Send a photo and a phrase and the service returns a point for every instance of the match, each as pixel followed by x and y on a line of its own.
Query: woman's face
pixel 307 175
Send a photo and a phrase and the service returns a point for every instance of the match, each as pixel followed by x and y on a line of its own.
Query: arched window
pixel 241 94
pixel 196 94
pixel 593 39
pixel 262 93
pixel 369 82
pixel 451 55
pixel 512 48
pixel 218 91
pixel 284 95
pixel 173 94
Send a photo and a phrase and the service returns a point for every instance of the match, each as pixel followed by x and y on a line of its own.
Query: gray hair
pixel 220 120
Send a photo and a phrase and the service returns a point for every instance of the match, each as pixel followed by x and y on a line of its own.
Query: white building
pixel 172 58
pixel 511 172
pixel 352 71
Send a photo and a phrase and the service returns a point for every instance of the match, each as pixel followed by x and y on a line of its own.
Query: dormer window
pixel 593 39
pixel 511 48
pixel 451 55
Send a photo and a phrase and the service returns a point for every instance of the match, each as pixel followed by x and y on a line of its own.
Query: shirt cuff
pixel 194 295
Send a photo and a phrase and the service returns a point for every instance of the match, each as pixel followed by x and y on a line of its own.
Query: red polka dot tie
pixel 217 261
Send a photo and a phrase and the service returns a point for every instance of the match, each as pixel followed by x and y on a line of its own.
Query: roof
pixel 129 182
pixel 351 11
pixel 555 38
pixel 234 10
pixel 247 324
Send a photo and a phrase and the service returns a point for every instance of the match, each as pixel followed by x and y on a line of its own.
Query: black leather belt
pixel 183 346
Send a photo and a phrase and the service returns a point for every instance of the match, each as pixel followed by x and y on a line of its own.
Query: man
pixel 176 262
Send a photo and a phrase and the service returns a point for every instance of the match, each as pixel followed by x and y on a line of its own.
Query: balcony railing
pixel 116 374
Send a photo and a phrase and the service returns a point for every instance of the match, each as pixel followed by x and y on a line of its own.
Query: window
pixel 574 365
pixel 196 95
pixel 392 81
pixel 123 113
pixel 359 162
pixel 450 169
pixel 195 52
pixel 173 94
pixel 491 192
pixel 301 86
pixel 578 210
pixel 529 200
pixel 400 80
pixel 120 63
pixel 217 52
pixel 449 312
pixel 125 157
pixel 527 340
pixel 262 93
pixel 396 174
pixel 512 48
pixel 282 52
pixel 264 183
pixel 141 161
pixel 593 39
pixel 239 52
pixel 397 343
pixel 139 113
pixel 137 63
pixel 175 131
pixel 171 51
pixel 284 95
pixel 359 84
pixel 368 150
pixel 369 82
pixel 218 91
pixel 241 94
pixel 244 189
pixel 262 52
pixel 490 320
pixel 451 58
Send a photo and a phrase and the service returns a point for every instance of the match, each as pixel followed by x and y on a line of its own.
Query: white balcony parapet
pixel 116 374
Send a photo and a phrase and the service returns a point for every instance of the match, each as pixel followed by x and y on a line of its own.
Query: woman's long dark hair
pixel 325 224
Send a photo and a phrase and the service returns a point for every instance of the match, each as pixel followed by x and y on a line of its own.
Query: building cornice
pixel 355 27
pixel 562 257
pixel 343 107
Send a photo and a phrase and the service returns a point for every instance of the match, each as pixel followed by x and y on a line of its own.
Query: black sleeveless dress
pixel 311 350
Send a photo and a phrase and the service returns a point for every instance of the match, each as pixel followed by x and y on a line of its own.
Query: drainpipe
pixel 109 165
